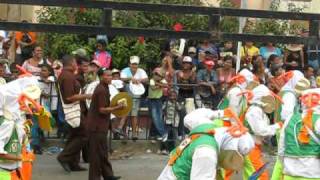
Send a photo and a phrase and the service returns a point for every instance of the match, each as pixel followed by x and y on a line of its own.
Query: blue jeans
pixel 155 109
pixel 35 132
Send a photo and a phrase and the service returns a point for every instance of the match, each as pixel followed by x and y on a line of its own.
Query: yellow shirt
pixel 252 51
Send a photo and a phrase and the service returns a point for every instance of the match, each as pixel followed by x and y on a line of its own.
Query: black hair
pixel 101 71
pixel 51 73
pixel 233 61
pixel 81 60
pixel 274 68
pixel 67 60
pixel 102 42
pixel 271 58
pixel 13 67
pixel 306 67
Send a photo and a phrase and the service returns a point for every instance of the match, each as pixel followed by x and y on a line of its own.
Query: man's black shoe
pixel 65 166
pixel 113 178
pixel 78 168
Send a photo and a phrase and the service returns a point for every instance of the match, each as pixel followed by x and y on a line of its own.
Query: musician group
pixel 219 144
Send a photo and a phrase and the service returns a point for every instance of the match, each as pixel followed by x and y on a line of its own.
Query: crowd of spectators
pixel 197 77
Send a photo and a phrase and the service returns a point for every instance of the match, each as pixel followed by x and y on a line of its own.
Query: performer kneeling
pixel 98 126
pixel 208 148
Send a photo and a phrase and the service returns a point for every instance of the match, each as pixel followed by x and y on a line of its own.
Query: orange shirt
pixel 32 35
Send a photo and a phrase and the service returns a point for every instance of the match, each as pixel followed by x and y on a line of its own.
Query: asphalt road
pixel 137 167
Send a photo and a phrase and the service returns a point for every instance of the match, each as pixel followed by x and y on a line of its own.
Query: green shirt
pixel 154 92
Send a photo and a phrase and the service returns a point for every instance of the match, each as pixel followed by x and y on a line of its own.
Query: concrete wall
pixel 17 12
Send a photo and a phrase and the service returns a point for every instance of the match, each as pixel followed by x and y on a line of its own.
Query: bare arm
pixel 10 157
pixel 107 110
pixel 79 97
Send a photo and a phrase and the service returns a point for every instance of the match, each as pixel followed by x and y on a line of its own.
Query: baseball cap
pixel 80 52
pixel 115 71
pixel 209 63
pixel 95 62
pixel 187 59
pixel 192 50
pixel 134 60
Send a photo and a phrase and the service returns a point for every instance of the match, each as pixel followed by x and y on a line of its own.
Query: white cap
pixel 134 60
pixel 192 50
pixel 187 59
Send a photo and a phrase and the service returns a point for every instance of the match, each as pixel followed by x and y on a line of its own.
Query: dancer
pixel 17 99
pixel 290 92
pixel 207 149
pixel 244 80
pixel 302 145
pixel 261 101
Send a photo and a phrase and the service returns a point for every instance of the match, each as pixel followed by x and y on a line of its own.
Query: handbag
pixel 72 112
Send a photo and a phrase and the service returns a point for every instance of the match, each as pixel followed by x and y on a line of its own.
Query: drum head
pixel 231 160
pixel 126 99
pixel 269 103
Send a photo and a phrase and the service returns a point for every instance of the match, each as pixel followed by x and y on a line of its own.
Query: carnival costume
pixel 17 99
pixel 261 101
pixel 302 140
pixel 234 98
pixel 207 149
pixel 290 92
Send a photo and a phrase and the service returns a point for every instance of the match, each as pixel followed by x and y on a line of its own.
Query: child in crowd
pixel 48 100
pixel 116 81
pixel 171 109
pixel 101 55
pixel 2 74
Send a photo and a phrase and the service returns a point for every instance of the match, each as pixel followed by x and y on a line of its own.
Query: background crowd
pixel 197 76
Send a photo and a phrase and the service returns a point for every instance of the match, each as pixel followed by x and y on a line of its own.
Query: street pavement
pixel 137 167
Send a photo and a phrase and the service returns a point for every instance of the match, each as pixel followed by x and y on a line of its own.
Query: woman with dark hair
pixel 258 69
pixel 226 72
pixel 103 56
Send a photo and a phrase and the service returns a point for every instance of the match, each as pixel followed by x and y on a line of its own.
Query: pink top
pixel 104 58
pixel 32 69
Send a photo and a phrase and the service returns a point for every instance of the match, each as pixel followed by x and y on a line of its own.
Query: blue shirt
pixel 265 53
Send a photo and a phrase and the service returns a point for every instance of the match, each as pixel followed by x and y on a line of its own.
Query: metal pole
pixel 242 23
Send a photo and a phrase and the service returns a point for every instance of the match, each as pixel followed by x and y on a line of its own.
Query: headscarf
pixel 226 141
pixel 244 78
pixel 198 117
pixel 292 79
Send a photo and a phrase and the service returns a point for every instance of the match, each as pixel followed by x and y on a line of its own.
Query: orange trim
pixel 247 93
pixel 256 159
pixel 304 136
pixel 237 129
pixel 23 99
pixel 286 76
pixel 239 79
pixel 24 73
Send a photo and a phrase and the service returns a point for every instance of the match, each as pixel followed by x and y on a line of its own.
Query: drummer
pixel 98 126
pixel 135 77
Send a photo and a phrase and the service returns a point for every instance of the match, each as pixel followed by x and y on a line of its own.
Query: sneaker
pixel 164 137
pixel 119 132
pixel 164 152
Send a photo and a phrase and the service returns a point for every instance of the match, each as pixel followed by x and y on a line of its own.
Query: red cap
pixel 209 63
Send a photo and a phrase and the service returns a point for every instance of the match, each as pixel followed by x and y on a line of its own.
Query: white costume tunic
pixel 233 94
pixel 14 117
pixel 257 118
pixel 205 159
pixel 289 103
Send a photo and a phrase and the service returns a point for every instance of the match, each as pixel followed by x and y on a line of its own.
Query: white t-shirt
pixel 140 74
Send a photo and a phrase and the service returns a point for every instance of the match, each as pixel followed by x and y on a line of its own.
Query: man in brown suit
pixel 70 91
pixel 98 126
